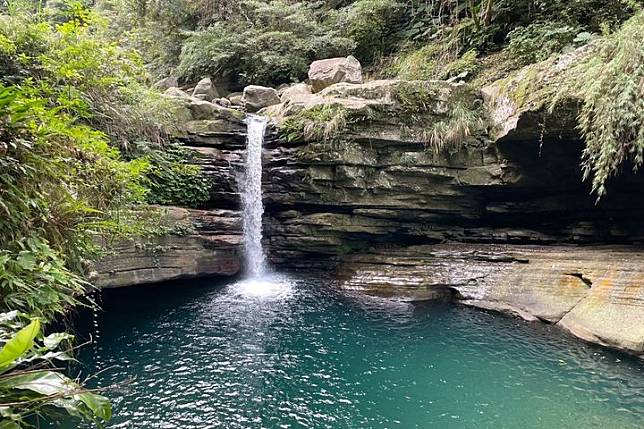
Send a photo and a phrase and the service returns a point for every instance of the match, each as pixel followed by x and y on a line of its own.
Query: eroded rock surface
pixel 596 293
pixel 509 194
pixel 199 243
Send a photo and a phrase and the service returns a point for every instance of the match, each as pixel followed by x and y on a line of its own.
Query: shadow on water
pixel 301 352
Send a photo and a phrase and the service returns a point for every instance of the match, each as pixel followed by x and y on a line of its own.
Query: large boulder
pixel 236 98
pixel 297 92
pixel 205 90
pixel 175 92
pixel 324 73
pixel 257 97
pixel 166 83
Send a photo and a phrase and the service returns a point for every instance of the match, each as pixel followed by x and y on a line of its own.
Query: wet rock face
pixel 378 203
pixel 378 184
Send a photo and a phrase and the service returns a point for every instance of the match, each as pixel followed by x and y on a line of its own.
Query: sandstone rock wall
pixel 380 203
pixel 201 243
pixel 377 204
pixel 596 293
pixel 377 186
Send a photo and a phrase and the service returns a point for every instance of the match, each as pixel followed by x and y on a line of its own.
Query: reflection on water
pixel 299 353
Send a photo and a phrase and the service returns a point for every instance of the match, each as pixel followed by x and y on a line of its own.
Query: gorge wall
pixel 501 220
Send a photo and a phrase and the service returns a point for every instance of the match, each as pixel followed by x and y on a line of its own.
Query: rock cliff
pixel 198 243
pixel 372 180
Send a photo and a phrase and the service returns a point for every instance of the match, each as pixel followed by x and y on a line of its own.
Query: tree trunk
pixel 475 16
pixel 487 12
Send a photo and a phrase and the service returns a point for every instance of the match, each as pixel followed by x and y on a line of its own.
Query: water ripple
pixel 298 353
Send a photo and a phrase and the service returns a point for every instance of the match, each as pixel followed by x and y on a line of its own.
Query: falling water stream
pixel 251 196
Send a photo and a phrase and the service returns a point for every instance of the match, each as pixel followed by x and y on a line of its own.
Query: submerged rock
pixel 324 73
pixel 257 97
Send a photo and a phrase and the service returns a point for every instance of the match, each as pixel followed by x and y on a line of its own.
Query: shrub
pixel 84 72
pixel 174 179
pixel 30 385
pixel 324 122
pixel 372 24
pixel 441 132
pixel 538 41
pixel 415 64
pixel 609 83
pixel 273 43
pixel 60 182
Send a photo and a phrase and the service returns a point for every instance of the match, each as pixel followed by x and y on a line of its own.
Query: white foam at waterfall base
pixel 268 287
pixel 257 281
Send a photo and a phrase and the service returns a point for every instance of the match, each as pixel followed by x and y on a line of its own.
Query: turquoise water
pixel 314 356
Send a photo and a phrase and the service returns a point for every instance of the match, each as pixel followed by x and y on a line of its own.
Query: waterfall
pixel 251 197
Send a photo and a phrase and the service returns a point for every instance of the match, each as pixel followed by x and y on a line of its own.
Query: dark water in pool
pixel 313 356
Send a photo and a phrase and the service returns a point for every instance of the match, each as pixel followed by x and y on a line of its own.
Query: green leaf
pixel 9 424
pixel 19 344
pixel 42 382
pixel 99 405
pixel 49 383
pixel 52 341
pixel 26 261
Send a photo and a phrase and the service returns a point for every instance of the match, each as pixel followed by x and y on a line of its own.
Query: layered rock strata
pixel 372 180
pixel 595 293
pixel 198 243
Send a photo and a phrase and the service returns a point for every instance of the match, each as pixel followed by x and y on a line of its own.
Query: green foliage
pixel 174 179
pixel 60 184
pixel 35 280
pixel 433 61
pixel 610 84
pixel 591 15
pixel 437 34
pixel 416 64
pixel 319 123
pixel 80 69
pixel 420 106
pixel 269 43
pixel 443 129
pixel 29 386
pixel 371 24
pixel 539 40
